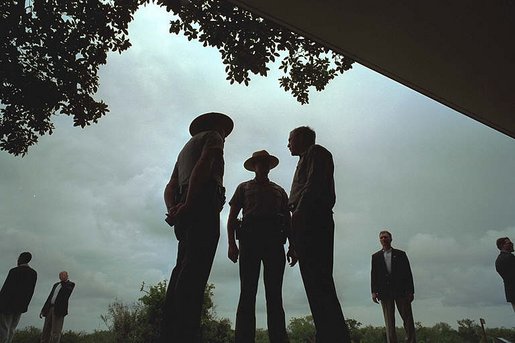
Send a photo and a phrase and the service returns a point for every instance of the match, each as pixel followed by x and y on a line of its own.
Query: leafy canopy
pixel 51 52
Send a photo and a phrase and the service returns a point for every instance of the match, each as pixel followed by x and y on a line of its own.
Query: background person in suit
pixel 55 309
pixel 15 296
pixel 392 285
pixel 505 266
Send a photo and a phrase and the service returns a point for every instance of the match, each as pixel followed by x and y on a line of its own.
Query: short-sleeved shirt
pixel 191 153
pixel 313 184
pixel 260 199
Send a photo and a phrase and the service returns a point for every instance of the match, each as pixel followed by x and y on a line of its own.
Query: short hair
pixel 500 242
pixel 25 257
pixel 387 232
pixel 307 133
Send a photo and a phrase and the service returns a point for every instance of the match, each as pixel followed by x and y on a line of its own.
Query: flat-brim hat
pixel 211 121
pixel 261 155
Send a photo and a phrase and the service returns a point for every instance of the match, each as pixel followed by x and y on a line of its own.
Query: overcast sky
pixel 89 201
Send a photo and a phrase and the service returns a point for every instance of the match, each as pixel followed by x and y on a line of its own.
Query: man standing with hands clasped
pixel 194 197
pixel 392 285
pixel 312 198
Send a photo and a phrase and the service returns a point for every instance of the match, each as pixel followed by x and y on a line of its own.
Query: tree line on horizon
pixel 139 322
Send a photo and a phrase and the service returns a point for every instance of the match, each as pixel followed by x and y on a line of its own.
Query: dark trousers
pixel 8 323
pixel 314 247
pixel 404 307
pixel 52 327
pixel 252 253
pixel 185 294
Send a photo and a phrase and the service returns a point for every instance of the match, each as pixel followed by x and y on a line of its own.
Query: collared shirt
pixel 388 259
pixel 191 153
pixel 313 183
pixel 56 292
pixel 260 199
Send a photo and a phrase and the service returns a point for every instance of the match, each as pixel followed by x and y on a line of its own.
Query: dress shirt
pixel 56 292
pixel 388 259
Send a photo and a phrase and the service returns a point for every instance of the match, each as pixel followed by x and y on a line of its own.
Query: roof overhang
pixel 461 53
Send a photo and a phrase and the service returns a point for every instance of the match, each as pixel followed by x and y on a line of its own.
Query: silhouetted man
pixel 56 308
pixel 194 197
pixel 505 266
pixel 15 296
pixel 392 284
pixel 312 198
pixel 262 234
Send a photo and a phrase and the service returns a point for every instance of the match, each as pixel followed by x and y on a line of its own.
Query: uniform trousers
pixel 404 307
pixel 253 251
pixel 8 323
pixel 314 245
pixel 52 327
pixel 198 238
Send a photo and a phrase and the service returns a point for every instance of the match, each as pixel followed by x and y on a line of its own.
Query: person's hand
pixel 375 297
pixel 233 252
pixel 176 211
pixel 291 255
pixel 41 315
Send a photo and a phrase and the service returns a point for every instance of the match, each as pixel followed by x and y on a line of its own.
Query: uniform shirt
pixel 313 184
pixel 260 199
pixel 191 153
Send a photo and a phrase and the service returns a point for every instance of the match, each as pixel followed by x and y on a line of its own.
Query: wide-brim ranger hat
pixel 210 121
pixel 261 155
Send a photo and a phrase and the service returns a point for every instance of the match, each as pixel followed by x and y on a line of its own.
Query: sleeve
pixel 319 173
pixel 409 275
pixel 284 206
pixel 6 291
pixel 237 198
pixel 373 277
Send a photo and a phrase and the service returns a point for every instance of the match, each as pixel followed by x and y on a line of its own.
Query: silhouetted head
pixel 212 121
pixel 261 163
pixel 301 138
pixel 63 276
pixel 261 157
pixel 504 244
pixel 385 237
pixel 24 258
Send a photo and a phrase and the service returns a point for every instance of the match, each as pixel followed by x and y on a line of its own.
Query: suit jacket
pixel 17 290
pixel 61 302
pixel 396 284
pixel 505 266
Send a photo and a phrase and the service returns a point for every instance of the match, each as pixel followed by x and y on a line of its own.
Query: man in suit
pixel 15 296
pixel 55 309
pixel 194 197
pixel 505 266
pixel 392 285
pixel 312 197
